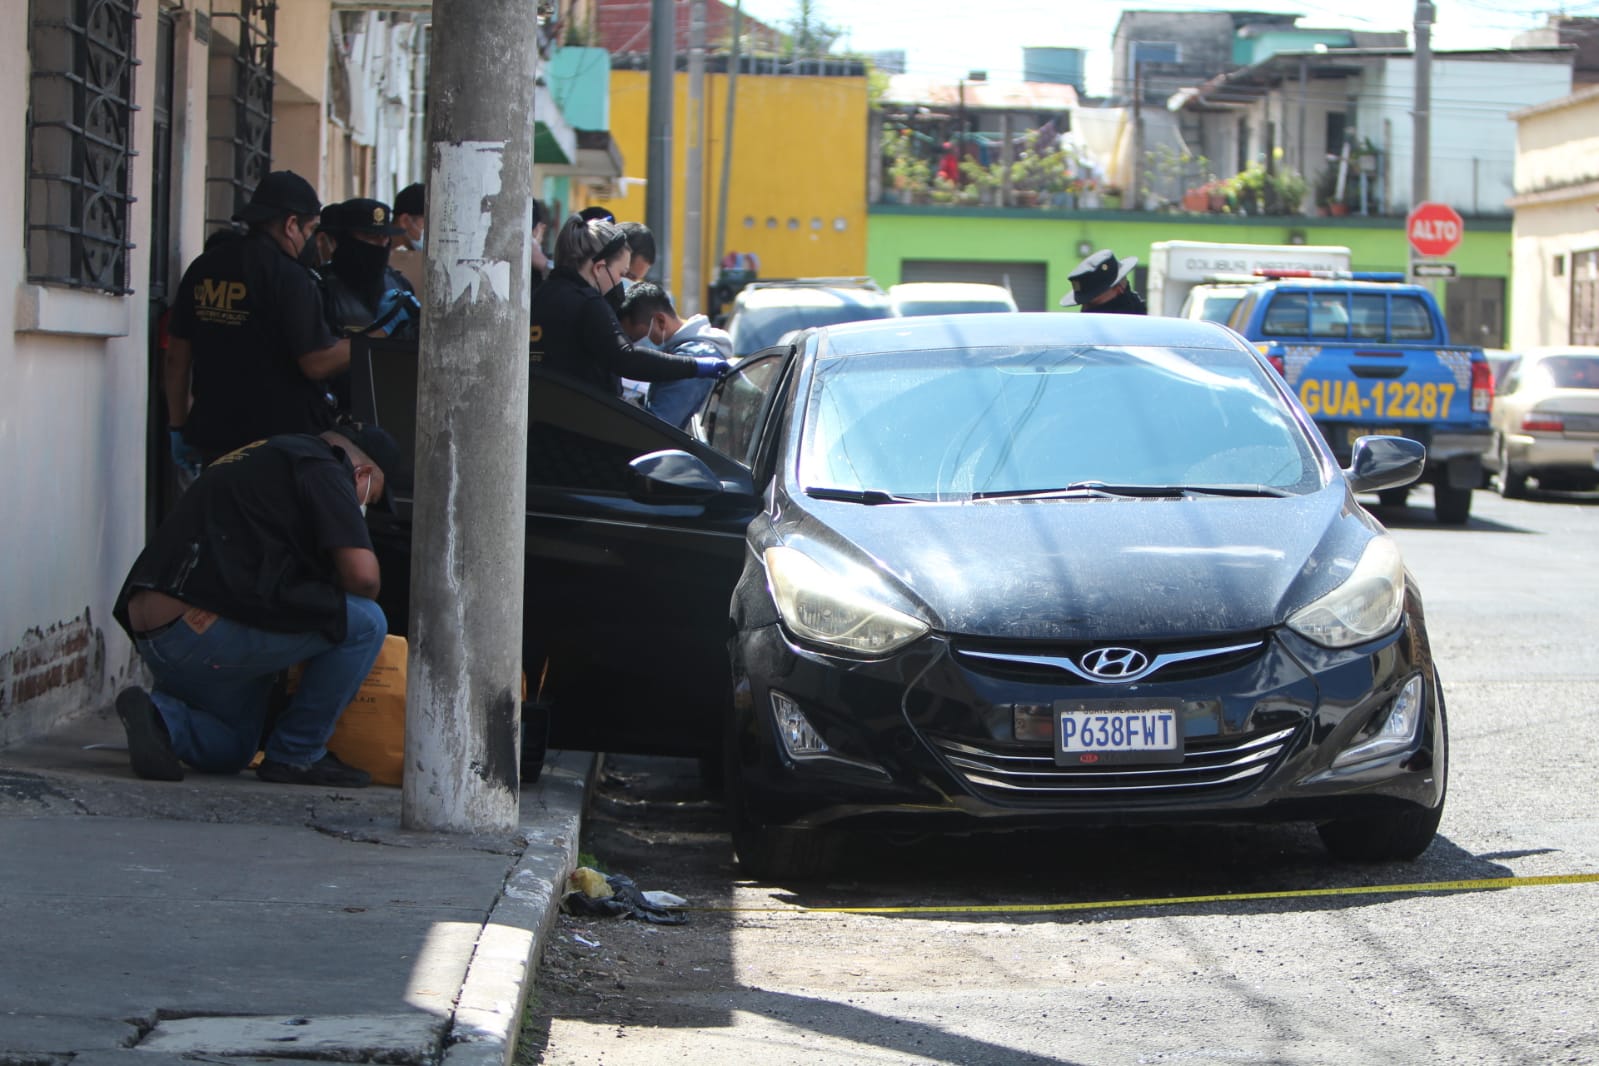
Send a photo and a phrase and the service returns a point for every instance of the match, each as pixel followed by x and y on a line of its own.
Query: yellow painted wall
pixel 798 193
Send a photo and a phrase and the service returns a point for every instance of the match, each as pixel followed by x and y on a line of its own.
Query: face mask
pixel 360 266
pixel 627 284
pixel 365 494
pixel 416 242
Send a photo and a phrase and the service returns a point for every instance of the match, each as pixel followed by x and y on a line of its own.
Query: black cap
pixel 411 200
pixel 595 211
pixel 381 447
pixel 1095 276
pixel 281 193
pixel 360 216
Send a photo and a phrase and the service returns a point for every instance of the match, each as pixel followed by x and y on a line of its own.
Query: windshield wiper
pixel 867 496
pixel 1104 490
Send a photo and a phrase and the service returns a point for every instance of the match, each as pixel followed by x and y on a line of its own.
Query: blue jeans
pixel 212 688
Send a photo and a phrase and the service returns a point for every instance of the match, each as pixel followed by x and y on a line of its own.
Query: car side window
pixel 578 439
pixel 1329 317
pixel 1288 315
pixel 1368 316
pixel 734 409
pixel 1409 320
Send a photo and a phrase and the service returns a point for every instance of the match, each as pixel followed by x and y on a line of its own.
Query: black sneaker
pixel 327 771
pixel 149 744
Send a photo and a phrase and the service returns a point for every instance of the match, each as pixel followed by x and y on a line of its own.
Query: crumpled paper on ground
pixel 595 895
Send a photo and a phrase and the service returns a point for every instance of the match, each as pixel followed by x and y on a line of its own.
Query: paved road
pixel 1481 976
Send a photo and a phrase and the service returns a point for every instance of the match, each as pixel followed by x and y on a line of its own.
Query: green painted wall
pixel 899 232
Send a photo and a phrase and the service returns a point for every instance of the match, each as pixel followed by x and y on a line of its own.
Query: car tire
pixel 1450 505
pixel 1393 837
pixel 770 852
pixel 785 853
pixel 1512 486
pixel 1394 497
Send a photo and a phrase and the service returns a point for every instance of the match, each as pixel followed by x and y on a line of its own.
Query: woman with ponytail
pixel 575 331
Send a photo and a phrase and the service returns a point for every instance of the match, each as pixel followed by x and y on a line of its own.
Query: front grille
pixel 1215 765
pixel 1057 663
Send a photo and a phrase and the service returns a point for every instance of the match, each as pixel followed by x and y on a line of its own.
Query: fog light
pixel 1033 721
pixel 798 737
pixel 1398 730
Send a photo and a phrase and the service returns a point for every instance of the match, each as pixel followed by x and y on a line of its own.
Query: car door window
pixel 1368 316
pixel 733 411
pixel 1329 317
pixel 1410 320
pixel 579 439
pixel 1287 316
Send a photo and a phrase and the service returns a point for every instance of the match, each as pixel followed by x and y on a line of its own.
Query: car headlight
pixel 1364 606
pixel 820 606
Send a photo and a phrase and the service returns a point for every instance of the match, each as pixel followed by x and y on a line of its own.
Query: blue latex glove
pixel 711 366
pixel 184 455
pixel 408 311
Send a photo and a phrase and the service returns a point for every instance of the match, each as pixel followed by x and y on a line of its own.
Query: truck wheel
pixel 1452 506
pixel 1394 497
pixel 1512 486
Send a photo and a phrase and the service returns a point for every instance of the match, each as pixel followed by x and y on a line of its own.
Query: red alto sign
pixel 1434 229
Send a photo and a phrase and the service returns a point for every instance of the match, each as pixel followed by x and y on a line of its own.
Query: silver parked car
pixel 1546 420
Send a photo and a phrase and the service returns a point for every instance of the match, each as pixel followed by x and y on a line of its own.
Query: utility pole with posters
pixel 463 698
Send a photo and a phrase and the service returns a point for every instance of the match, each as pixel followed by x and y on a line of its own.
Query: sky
pixel 949 38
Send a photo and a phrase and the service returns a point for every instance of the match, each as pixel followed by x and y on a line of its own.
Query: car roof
pixel 808 296
pixel 948 290
pixel 1023 328
pixel 1337 283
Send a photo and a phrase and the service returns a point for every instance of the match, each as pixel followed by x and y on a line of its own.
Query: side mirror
pixel 673 476
pixel 1379 463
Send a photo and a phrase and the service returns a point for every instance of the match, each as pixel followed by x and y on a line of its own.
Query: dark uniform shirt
pixel 575 332
pixel 249 312
pixel 253 539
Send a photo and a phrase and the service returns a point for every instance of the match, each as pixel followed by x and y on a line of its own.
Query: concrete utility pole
pixel 726 178
pixel 663 74
pixel 690 298
pixel 463 707
pixel 1421 117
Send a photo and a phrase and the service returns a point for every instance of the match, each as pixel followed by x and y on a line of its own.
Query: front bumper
pixel 929 736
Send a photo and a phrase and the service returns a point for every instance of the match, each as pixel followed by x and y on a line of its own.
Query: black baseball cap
pixel 360 216
pixel 281 193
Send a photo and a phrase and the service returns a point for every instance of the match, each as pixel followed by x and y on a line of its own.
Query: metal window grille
pixel 241 111
pixel 80 142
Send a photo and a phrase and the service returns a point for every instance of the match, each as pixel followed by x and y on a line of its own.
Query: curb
pixel 487 1020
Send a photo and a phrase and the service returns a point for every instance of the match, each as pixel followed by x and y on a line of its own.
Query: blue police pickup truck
pixel 1367 355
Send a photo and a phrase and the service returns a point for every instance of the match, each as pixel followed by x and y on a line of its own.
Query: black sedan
pixel 987 571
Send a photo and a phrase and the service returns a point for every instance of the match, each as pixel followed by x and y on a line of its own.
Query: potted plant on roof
pixel 908 174
pixel 983 181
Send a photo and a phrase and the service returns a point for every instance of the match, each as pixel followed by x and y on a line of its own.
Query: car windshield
pixel 1570 371
pixel 1218 308
pixel 974 423
pixel 754 328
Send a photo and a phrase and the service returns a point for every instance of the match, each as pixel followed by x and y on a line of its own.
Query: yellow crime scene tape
pixel 1478 885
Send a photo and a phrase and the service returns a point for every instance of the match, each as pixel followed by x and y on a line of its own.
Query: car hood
pixel 1081 569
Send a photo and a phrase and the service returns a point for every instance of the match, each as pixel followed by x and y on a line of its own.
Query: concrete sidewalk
pixel 146 922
